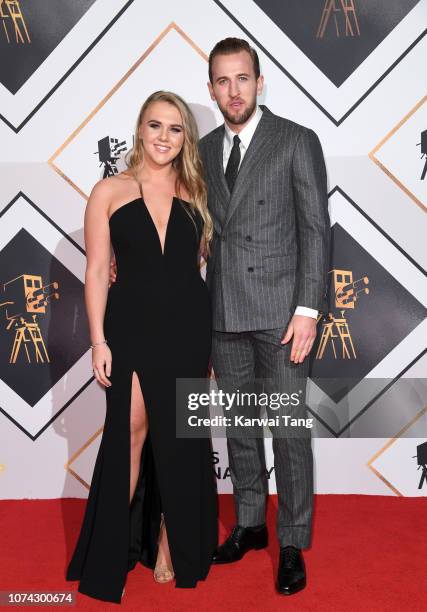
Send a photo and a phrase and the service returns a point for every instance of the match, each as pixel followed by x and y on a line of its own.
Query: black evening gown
pixel 157 324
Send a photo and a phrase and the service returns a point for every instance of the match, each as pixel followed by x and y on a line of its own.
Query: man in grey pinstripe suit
pixel 267 275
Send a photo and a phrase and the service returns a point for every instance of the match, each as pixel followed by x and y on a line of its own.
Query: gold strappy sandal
pixel 162 573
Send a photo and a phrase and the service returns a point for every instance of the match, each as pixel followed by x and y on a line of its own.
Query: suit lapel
pixel 263 141
pixel 216 173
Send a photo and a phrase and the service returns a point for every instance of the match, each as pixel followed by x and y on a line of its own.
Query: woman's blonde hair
pixel 187 164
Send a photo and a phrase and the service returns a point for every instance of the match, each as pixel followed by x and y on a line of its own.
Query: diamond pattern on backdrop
pixel 41 44
pixel 327 29
pixel 402 154
pixel 29 33
pixel 335 51
pixel 96 148
pixel 402 462
pixel 372 281
pixel 44 336
pixel 367 322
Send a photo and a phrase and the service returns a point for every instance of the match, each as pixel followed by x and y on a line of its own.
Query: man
pixel 267 274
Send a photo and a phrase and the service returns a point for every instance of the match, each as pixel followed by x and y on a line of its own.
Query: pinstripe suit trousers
pixel 258 355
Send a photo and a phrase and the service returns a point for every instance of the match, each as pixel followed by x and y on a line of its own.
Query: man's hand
pixel 113 271
pixel 303 331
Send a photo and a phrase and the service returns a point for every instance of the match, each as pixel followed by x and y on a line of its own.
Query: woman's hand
pixel 113 272
pixel 101 363
pixel 203 251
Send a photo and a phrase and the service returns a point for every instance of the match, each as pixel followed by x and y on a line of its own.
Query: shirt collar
pixel 246 134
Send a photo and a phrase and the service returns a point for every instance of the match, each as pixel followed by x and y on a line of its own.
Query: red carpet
pixel 369 553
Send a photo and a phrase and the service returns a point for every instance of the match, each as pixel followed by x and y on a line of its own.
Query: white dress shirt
pixel 245 136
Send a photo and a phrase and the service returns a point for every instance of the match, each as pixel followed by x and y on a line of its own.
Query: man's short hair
pixel 234 45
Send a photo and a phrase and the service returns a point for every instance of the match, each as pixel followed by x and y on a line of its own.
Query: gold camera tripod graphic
pixel 11 9
pixel 331 9
pixel 28 296
pixel 336 329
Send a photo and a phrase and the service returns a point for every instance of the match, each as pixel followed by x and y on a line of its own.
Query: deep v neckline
pixel 162 247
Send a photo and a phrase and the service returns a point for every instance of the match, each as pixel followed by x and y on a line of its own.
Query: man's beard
pixel 242 118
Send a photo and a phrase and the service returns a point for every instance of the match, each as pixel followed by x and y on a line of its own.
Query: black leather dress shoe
pixel 291 574
pixel 239 542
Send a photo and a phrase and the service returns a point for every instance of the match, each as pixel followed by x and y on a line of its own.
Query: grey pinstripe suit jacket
pixel 270 249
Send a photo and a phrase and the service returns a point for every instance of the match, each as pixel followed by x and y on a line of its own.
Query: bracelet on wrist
pixel 98 343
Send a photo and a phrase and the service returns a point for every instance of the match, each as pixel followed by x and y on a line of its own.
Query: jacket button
pixel 248 238
pixel 223 238
pixel 260 202
pixel 250 269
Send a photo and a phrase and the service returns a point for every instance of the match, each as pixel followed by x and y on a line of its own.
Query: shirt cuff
pixel 306 312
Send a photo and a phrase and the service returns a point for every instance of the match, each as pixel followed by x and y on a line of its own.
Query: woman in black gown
pixel 152 498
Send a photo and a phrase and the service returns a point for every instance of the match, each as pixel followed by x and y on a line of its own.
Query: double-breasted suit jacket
pixel 270 248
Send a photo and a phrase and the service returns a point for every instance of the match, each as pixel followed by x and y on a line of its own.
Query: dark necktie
pixel 233 164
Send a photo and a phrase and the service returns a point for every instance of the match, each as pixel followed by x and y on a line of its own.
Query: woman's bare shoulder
pixel 111 185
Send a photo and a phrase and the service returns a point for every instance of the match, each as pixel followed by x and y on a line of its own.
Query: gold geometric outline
pixel 384 169
pixel 171 26
pixel 386 446
pixel 77 454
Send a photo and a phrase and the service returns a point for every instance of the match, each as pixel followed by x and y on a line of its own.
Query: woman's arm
pixel 97 241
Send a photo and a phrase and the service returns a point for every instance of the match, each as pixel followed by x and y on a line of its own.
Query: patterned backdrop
pixel 72 79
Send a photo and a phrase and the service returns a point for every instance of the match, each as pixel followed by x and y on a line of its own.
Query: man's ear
pixel 211 91
pixel 260 84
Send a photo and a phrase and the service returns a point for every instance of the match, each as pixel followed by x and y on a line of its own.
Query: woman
pixel 152 497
